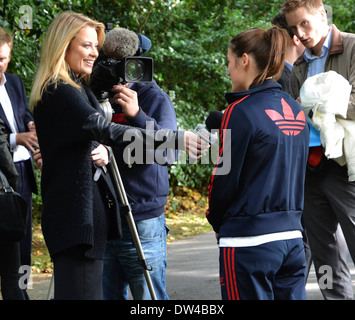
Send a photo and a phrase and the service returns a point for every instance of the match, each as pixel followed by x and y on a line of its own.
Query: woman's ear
pixel 245 60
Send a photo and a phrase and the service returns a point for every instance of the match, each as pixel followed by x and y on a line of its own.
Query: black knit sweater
pixel 75 210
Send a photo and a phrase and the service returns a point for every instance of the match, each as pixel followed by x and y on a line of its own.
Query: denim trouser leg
pixel 122 268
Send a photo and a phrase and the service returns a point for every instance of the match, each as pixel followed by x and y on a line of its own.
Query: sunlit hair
pixel 5 37
pixel 292 5
pixel 53 66
pixel 267 47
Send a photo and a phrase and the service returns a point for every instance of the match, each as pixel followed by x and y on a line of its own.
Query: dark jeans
pixel 25 190
pixel 9 271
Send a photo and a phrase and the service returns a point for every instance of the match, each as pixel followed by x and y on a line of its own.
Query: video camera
pixel 120 61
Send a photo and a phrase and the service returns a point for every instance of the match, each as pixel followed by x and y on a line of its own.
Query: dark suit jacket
pixel 285 79
pixel 17 94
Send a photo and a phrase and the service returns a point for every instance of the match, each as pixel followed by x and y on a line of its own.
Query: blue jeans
pixel 122 268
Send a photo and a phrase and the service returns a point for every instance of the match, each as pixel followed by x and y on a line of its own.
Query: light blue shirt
pixel 316 65
pixel 288 65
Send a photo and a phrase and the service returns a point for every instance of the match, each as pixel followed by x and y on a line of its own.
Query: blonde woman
pixel 80 208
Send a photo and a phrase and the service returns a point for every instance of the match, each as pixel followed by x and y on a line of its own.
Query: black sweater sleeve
pixel 71 107
pixel 99 129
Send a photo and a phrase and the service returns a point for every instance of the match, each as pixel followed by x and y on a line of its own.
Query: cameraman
pixel 147 188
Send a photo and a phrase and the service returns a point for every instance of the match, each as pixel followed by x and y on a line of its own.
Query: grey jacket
pixel 341 58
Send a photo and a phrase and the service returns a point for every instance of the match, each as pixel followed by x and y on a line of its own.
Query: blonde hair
pixel 5 37
pixel 53 66
pixel 292 5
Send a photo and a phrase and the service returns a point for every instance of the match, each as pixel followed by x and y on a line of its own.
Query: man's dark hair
pixel 280 21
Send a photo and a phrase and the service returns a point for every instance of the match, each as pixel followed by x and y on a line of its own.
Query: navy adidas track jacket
pixel 264 190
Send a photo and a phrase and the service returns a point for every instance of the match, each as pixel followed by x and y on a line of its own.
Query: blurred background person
pixel 21 134
pixel 329 196
pixel 295 49
pixel 9 251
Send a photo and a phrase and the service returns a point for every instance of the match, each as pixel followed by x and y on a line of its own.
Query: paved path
pixel 192 272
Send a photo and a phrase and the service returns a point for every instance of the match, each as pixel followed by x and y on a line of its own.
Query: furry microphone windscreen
pixel 214 120
pixel 120 43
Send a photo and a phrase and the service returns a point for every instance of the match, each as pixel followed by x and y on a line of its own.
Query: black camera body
pixel 120 61
pixel 108 72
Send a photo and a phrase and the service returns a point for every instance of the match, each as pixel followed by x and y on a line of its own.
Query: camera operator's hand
pixel 100 156
pixel 127 99
pixel 194 145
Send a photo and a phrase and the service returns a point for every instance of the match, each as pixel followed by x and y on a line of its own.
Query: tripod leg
pixel 132 227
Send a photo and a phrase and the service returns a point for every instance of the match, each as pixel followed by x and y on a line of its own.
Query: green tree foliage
pixel 190 41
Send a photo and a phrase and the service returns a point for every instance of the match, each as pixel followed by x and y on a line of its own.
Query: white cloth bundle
pixel 327 95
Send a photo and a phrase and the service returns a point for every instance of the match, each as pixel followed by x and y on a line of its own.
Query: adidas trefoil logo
pixel 288 124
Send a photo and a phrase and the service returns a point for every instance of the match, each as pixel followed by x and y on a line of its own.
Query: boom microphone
pixel 120 43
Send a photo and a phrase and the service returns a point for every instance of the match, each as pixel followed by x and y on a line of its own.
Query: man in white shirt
pixel 20 132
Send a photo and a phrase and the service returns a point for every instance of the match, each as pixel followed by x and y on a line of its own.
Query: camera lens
pixel 134 70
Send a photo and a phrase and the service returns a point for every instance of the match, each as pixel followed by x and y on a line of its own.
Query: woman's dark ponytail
pixel 279 40
pixel 268 49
